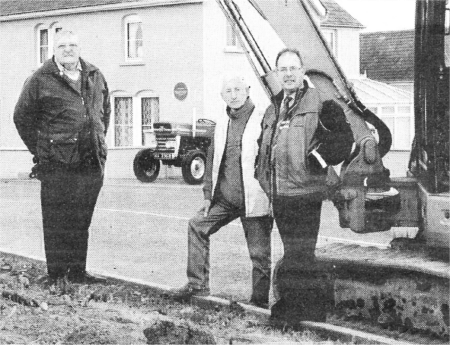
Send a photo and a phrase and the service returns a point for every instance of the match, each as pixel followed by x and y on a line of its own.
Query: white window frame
pixel 138 131
pixel 230 36
pixel 39 30
pixel 112 125
pixel 333 34
pixel 136 106
pixel 51 31
pixel 132 19
pixel 377 110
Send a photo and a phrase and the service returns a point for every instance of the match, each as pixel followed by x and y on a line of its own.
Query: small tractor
pixel 175 144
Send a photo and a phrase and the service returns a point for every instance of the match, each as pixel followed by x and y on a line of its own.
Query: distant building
pixel 386 87
pixel 391 104
pixel 342 31
pixel 149 51
pixel 388 57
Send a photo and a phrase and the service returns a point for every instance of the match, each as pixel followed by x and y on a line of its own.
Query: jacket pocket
pixel 64 149
pixel 43 148
pixel 297 171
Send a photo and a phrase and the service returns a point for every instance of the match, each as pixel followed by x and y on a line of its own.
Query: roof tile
pixel 11 7
pixel 388 55
pixel 338 17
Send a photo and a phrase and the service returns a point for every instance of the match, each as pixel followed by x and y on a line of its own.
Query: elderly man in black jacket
pixel 62 116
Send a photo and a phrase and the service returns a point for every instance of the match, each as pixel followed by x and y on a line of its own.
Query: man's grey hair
pixel 228 77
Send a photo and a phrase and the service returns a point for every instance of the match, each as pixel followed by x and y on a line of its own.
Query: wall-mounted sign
pixel 180 91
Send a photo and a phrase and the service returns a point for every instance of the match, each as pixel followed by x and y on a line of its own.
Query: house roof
pixel 18 7
pixel 388 55
pixel 373 92
pixel 9 7
pixel 338 17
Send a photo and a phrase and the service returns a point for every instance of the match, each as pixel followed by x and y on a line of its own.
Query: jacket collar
pixel 51 67
pixel 303 103
pixel 62 68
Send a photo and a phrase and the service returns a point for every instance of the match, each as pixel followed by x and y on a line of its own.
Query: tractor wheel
pixel 193 167
pixel 145 166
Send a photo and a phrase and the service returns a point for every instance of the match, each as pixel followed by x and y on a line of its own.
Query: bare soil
pixel 116 313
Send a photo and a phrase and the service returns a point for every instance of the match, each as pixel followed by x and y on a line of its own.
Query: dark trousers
pixel 301 286
pixel 257 233
pixel 68 200
pixel 298 222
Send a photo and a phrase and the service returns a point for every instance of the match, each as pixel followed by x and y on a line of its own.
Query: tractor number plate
pixel 164 155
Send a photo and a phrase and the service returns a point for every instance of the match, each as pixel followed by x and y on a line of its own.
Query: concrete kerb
pixel 211 302
pixel 333 332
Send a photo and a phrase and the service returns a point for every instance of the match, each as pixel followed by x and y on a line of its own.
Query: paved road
pixel 139 231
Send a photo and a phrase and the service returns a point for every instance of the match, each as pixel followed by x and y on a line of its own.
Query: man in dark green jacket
pixel 62 116
pixel 301 136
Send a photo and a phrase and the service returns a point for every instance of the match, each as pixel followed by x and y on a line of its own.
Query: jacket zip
pixel 272 167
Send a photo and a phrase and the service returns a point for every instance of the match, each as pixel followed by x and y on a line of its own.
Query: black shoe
pixel 87 278
pixel 259 304
pixel 186 292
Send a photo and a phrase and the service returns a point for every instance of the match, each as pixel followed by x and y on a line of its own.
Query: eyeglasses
pixel 290 69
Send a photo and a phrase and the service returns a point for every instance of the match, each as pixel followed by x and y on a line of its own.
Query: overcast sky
pixel 381 15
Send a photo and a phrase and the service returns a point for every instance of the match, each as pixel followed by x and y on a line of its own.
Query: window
pixel 123 121
pixel 330 38
pixel 149 112
pixel 45 40
pixel 387 110
pixel 134 38
pixel 43 45
pixel 447 19
pixel 232 39
pixel 404 109
pixel 400 122
pixel 373 110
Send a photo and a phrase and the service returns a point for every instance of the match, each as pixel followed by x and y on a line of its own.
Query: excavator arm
pixel 264 27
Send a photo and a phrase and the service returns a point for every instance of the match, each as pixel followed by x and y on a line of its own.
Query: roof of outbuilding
pixel 13 7
pixel 374 92
pixel 388 55
pixel 338 17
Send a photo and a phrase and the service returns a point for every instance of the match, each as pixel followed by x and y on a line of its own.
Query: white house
pixel 163 60
pixel 147 50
